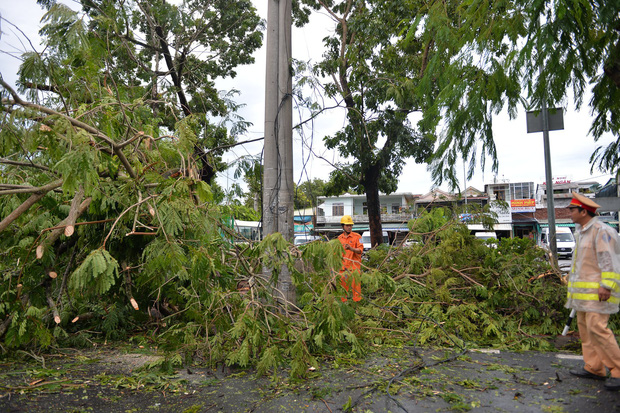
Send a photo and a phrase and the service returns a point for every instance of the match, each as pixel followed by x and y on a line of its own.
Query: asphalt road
pixel 391 380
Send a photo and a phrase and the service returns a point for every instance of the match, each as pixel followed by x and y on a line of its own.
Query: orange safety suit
pixel 351 264
pixel 596 263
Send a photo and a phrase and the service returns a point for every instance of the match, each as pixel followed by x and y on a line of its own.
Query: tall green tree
pixel 392 62
pixel 572 51
pixel 457 64
pixel 378 137
pixel 521 53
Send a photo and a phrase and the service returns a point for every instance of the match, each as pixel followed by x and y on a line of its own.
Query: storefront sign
pixel 300 228
pixel 559 180
pixel 504 215
pixel 523 205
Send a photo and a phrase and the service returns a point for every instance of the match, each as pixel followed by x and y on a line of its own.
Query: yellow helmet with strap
pixel 346 220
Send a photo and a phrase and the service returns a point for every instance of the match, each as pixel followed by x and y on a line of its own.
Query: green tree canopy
pixel 108 148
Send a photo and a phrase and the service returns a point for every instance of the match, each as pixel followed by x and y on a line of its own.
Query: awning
pixel 395 227
pixel 524 221
pixel 496 227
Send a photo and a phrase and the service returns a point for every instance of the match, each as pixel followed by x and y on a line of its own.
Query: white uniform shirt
pixel 596 262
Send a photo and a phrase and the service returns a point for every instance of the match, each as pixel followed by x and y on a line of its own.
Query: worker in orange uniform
pixel 351 259
pixel 594 291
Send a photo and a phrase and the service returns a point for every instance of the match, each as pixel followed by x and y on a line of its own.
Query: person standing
pixel 594 291
pixel 351 259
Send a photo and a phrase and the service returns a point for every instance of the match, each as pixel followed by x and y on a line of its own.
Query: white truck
pixel 564 239
pixel 366 239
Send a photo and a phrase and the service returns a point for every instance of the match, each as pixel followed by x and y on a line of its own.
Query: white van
pixel 564 239
pixel 304 239
pixel 366 239
pixel 486 235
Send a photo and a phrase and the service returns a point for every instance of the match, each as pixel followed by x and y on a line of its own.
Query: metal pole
pixel 465 181
pixel 548 175
pixel 549 179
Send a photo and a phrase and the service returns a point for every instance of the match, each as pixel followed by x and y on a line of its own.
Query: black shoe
pixel 612 383
pixel 585 374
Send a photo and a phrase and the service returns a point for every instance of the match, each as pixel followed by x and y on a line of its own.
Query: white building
pixel 562 191
pixel 396 211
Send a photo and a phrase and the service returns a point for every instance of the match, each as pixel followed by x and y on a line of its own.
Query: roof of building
pixel 569 185
pixel 407 195
pixel 610 189
pixel 436 195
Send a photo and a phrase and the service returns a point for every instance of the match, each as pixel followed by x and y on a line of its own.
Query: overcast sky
pixel 521 155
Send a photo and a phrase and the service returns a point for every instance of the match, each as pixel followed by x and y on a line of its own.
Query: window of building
pixel 522 190
pixel 384 209
pixel 500 194
pixel 395 208
pixel 365 208
pixel 338 209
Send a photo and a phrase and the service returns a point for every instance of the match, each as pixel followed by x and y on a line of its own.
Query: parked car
pixel 304 239
pixel 487 235
pixel 366 239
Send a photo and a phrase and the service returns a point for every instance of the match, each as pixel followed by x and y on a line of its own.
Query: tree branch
pixel 44 88
pixel 28 164
pixel 176 80
pixel 234 144
pixel 94 131
pixel 38 194
pixel 68 224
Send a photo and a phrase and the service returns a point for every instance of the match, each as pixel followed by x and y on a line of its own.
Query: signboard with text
pixel 523 205
pixel 559 180
pixel 504 214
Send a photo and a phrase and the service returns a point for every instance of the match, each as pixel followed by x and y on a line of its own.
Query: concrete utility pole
pixel 278 153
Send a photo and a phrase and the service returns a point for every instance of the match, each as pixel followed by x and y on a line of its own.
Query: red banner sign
pixel 523 205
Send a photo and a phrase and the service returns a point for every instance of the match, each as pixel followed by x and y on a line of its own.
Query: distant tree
pixel 378 136
pixel 251 170
pixel 307 192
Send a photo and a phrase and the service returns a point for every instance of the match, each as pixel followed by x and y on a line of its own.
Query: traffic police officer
pixel 594 291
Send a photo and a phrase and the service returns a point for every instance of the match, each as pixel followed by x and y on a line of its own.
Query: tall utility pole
pixel 278 153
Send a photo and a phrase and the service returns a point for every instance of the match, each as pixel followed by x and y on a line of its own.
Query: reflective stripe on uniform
pixel 591 297
pixel 583 284
pixel 610 279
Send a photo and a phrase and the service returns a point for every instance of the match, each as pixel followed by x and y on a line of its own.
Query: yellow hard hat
pixel 346 220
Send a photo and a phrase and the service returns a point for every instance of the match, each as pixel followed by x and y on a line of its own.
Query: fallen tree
pixel 206 297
